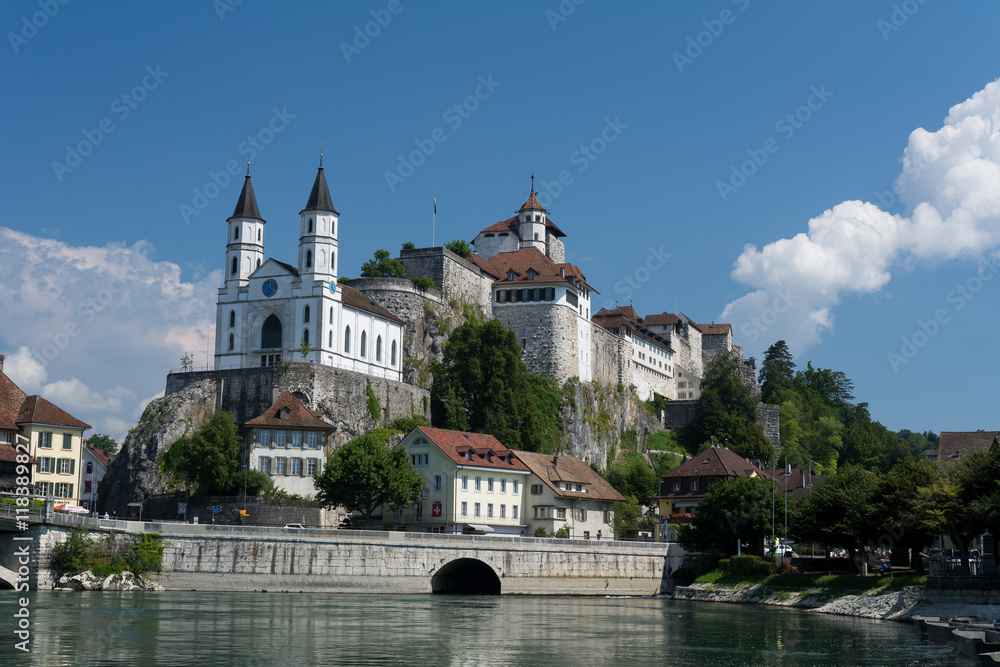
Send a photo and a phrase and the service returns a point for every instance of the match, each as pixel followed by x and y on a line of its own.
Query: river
pixel 257 629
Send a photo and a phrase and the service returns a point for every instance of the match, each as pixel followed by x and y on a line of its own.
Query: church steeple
pixel 245 240
pixel 318 233
pixel 531 217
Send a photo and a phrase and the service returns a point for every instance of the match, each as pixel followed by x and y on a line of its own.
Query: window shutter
pixel 70 494
pixel 38 465
pixel 72 468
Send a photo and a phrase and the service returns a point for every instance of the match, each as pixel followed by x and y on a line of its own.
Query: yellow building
pixel 56 441
pixel 474 483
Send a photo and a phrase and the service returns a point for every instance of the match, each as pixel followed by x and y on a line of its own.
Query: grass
pixel 829 584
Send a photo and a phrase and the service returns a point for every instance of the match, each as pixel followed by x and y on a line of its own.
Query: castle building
pixel 270 311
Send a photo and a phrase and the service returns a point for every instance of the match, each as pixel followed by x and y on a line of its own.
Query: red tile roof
pixel 715 329
pixel 520 261
pixel 357 299
pixel 9 453
pixel 663 319
pixel 513 225
pixel 953 445
pixel 716 461
pixel 531 204
pixel 612 319
pixel 37 410
pixel 471 449
pixel 554 469
pixel 288 412
pixel 11 400
pixel 102 457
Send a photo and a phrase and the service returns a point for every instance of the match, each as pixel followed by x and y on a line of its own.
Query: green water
pixel 181 628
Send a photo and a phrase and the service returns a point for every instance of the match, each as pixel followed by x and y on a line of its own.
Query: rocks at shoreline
pixel 88 581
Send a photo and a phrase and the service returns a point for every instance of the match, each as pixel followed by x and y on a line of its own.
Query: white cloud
pixel 95 327
pixel 950 184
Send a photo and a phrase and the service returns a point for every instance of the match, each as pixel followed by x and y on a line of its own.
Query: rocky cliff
pixel 134 475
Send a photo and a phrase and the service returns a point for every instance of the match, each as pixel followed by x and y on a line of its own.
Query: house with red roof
pixel 953 445
pixel 289 443
pixel 474 483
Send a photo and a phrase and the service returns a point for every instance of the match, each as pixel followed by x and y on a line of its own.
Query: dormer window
pixel 511 276
pixel 531 273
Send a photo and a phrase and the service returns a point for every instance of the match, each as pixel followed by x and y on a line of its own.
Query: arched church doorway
pixel 270 333
pixel 466 576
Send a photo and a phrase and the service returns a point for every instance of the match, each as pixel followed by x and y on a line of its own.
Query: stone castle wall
pixel 555 249
pixel 768 417
pixel 547 335
pixel 458 278
pixel 340 394
pixel 605 356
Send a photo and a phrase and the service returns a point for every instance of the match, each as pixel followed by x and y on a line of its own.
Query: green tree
pixel 735 509
pixel 895 505
pixel 209 459
pixel 104 442
pixel 459 247
pixel 383 266
pixel 840 512
pixel 304 349
pixel 633 477
pixel 777 373
pixel 482 385
pixel 628 517
pixel 366 474
pixel 408 245
pixel 727 412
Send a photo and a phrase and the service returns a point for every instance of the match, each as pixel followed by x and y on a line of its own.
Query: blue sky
pixel 111 258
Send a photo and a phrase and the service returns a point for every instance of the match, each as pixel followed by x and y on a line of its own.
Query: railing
pixel 953 567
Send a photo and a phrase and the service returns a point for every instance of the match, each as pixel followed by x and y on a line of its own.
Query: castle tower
pixel 531 222
pixel 318 234
pixel 245 246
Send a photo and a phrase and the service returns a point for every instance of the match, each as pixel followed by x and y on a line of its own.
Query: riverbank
pixel 877 603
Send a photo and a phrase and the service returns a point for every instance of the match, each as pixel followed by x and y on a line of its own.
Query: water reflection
pixel 294 629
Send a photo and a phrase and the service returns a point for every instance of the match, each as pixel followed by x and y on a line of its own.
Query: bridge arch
pixel 8 578
pixel 466 576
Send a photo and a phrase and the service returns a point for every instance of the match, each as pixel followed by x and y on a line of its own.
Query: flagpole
pixel 434 217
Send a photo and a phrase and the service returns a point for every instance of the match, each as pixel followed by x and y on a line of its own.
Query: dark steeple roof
pixel 246 206
pixel 319 198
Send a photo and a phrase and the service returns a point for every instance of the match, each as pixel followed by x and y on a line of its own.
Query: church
pixel 271 311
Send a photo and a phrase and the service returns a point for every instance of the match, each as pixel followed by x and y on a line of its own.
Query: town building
pixel 56 439
pixel 682 488
pixel 269 311
pixel 289 443
pixel 954 445
pixel 473 483
pixel 95 465
pixel 566 493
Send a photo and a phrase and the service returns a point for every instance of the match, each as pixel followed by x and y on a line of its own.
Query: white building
pixel 270 311
pixel 288 443
pixel 95 465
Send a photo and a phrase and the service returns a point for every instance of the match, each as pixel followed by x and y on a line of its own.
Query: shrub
pixel 540 532
pixel 407 424
pixel 723 564
pixel 71 555
pixel 423 283
pixel 750 566
pixel 562 533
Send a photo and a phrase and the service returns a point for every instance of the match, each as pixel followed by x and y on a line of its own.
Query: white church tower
pixel 245 249
pixel 531 221
pixel 318 235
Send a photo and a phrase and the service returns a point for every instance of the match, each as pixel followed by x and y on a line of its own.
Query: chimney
pixel 1 364
pixel 555 461
pixel 562 273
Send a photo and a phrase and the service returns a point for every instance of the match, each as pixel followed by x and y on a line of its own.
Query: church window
pixel 331 314
pixel 364 343
pixel 232 319
pixel 305 336
pixel 236 233
pixel 347 340
pixel 309 230
pixel 393 361
pixel 536 236
pixel 309 259
pixel 305 314
pixel 329 339
pixel 232 342
pixel 378 349
pixel 259 234
pixel 270 333
pixel 258 263
pixel 236 266
pixel 321 259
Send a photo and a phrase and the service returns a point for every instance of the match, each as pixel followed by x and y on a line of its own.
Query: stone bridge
pixel 245 558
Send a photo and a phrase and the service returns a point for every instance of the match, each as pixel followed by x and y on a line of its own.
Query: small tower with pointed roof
pixel 245 246
pixel 531 221
pixel 318 234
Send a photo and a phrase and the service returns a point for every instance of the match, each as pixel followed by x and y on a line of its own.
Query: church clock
pixel 270 287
